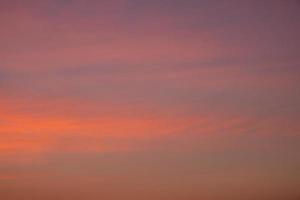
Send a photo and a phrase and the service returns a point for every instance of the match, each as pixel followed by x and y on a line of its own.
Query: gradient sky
pixel 149 100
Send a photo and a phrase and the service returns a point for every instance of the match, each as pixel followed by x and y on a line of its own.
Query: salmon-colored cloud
pixel 27 128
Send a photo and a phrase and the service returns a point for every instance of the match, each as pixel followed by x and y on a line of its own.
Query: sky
pixel 149 100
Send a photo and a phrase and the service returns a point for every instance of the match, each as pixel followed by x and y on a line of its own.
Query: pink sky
pixel 149 100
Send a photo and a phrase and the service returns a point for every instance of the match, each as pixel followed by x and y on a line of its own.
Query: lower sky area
pixel 149 100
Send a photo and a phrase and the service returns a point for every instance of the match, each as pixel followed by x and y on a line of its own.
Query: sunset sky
pixel 149 100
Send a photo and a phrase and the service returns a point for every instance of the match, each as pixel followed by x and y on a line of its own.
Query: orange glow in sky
pixel 149 100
